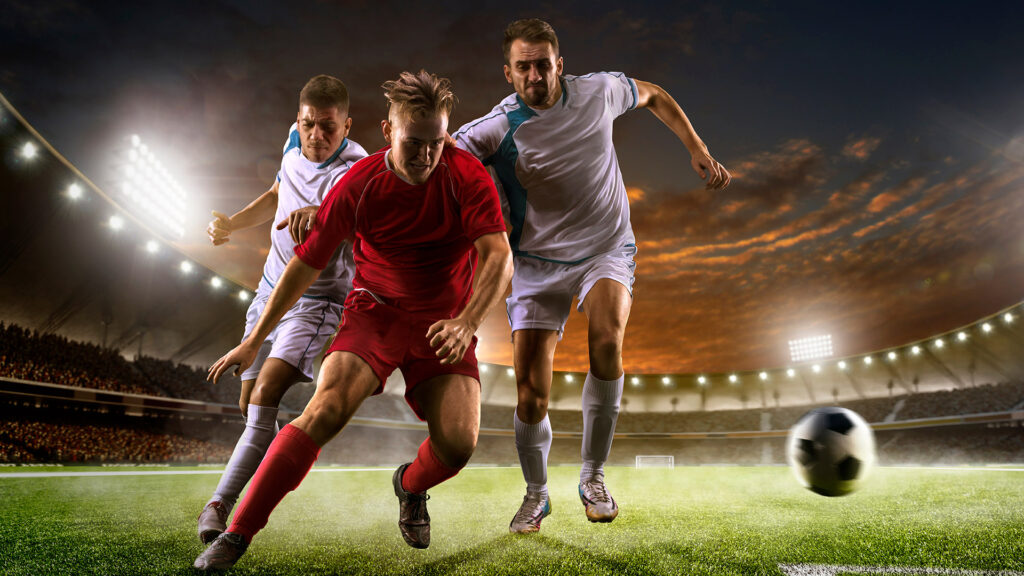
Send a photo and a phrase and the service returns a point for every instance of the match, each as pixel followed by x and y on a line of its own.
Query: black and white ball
pixel 831 450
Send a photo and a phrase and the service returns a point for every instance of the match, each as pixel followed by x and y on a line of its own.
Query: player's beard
pixel 538 96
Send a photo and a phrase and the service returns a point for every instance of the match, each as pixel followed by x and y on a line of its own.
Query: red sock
pixel 288 460
pixel 426 471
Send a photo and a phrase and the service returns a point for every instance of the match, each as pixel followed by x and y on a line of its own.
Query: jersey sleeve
pixel 478 199
pixel 482 136
pixel 621 92
pixel 335 222
pixel 293 141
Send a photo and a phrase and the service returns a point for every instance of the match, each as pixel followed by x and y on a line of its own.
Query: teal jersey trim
pixel 504 162
pixel 294 141
pixel 344 144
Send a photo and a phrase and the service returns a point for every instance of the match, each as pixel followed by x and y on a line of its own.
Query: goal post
pixel 654 461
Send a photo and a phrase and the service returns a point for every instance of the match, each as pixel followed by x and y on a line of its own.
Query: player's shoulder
pixel 353 151
pixel 294 141
pixel 595 81
pixel 367 167
pixel 459 159
pixel 495 120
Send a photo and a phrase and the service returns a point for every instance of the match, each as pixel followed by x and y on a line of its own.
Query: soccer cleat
pixel 535 508
pixel 212 521
pixel 413 519
pixel 223 553
pixel 600 505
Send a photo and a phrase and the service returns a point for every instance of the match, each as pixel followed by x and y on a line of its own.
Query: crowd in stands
pixel 971 400
pixel 39 441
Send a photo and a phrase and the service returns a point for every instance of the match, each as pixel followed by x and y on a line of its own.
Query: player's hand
pixel 299 223
pixel 219 228
pixel 451 338
pixel 711 170
pixel 243 397
pixel 242 356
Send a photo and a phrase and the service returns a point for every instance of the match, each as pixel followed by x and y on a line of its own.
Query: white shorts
pixel 298 337
pixel 542 291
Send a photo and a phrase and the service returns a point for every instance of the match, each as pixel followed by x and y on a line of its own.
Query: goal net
pixel 643 461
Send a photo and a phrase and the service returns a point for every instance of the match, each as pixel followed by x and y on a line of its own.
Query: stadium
pixel 112 438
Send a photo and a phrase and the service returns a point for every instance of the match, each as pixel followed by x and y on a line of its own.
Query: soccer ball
pixel 830 450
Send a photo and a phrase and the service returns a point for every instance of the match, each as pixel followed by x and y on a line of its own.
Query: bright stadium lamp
pixel 29 150
pixel 666 381
pixel 243 295
pixel 510 372
pixel 733 379
pixel 891 355
pixel 74 191
pixel 986 327
pixel 1008 318
pixel 634 381
pixel 702 380
pixel 961 336
pixel 155 197
pixel 116 222
pixel 816 368
pixel 868 360
pixel 152 247
pixel 569 378
pixel 915 350
pixel 811 348
pixel 483 368
pixel 790 372
pixel 763 375
pixel 842 365
pixel 186 267
pixel 216 282
pixel 939 343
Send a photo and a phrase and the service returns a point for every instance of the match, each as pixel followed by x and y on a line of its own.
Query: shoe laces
pixel 417 505
pixel 532 504
pixel 596 490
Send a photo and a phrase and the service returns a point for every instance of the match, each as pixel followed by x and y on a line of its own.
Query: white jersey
pixel 557 168
pixel 303 183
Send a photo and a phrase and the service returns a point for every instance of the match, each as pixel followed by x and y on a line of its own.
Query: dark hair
pixel 420 94
pixel 530 30
pixel 325 91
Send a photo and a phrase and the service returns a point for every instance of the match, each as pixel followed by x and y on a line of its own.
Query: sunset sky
pixel 877 150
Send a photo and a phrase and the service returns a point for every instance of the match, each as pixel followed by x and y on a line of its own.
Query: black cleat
pixel 413 519
pixel 223 553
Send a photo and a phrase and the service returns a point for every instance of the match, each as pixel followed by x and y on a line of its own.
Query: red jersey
pixel 413 244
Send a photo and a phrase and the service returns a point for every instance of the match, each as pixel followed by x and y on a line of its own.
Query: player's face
pixel 321 131
pixel 416 144
pixel 533 70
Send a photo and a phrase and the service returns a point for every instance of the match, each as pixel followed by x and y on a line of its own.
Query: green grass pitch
pixel 687 520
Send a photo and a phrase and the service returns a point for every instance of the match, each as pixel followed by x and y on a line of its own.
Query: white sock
pixel 260 429
pixel 601 400
pixel 533 442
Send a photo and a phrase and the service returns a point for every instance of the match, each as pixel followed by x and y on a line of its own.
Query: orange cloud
pixel 861 148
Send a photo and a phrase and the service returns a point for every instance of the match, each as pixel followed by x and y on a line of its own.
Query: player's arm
pixel 452 337
pixel 257 212
pixel 296 279
pixel 662 105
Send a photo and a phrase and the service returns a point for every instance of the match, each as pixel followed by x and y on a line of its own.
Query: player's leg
pixel 345 381
pixel 275 377
pixel 607 305
pixel 533 356
pixel 451 406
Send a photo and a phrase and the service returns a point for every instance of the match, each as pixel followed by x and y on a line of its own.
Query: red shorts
pixel 386 338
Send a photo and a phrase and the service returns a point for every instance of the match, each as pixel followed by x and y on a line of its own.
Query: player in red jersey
pixel 417 210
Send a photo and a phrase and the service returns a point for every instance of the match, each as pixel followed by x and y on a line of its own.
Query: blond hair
pixel 419 95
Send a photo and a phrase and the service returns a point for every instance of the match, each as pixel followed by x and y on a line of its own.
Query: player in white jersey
pixel 316 156
pixel 550 145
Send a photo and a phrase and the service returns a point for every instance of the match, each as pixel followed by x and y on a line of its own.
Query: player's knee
pixel 325 412
pixel 532 408
pixel 457 452
pixel 606 345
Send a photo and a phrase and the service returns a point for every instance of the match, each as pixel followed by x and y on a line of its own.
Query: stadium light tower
pixel 29 150
pixel 812 348
pixel 149 191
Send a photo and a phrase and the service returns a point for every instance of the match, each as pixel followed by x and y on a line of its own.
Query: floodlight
pixel 157 198
pixel 891 355
pixel 763 375
pixel 732 378
pixel 986 327
pixel 634 381
pixel 152 247
pixel 810 348
pixel 816 368
pixel 666 380
pixel 842 365
pixel 186 267
pixel 790 372
pixel 568 378
pixel 915 350
pixel 216 282
pixel 1008 318
pixel 116 222
pixel 483 368
pixel 29 150
pixel 702 380
pixel 939 343
pixel 243 295
pixel 74 191
pixel 510 372
pixel 961 336
pixel 868 360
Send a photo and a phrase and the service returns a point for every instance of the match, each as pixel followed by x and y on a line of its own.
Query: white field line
pixel 188 472
pixel 828 570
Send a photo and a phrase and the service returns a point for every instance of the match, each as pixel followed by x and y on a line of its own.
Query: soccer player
pixel 550 145
pixel 316 156
pixel 417 211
